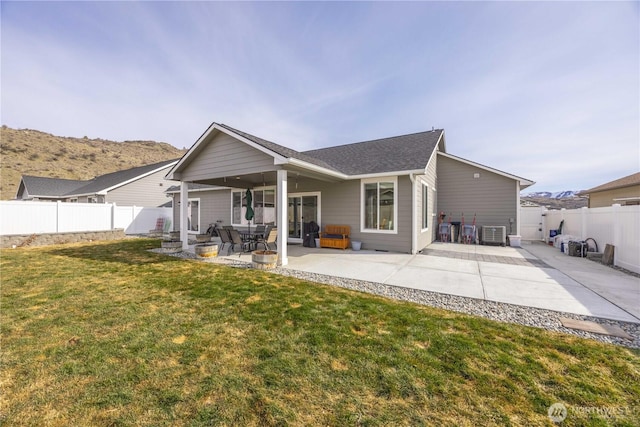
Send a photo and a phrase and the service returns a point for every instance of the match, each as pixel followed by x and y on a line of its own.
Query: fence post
pixel 617 232
pixel 113 215
pixel 58 204
pixel 583 218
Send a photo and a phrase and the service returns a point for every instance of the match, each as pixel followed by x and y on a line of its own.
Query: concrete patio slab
pixel 445 282
pixel 536 275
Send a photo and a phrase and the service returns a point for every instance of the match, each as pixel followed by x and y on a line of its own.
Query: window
pixel 92 199
pixel 425 207
pixel 193 215
pixel 379 205
pixel 264 206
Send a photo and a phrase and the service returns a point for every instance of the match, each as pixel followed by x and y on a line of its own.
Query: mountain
pixel 567 199
pixel 557 195
pixel 31 152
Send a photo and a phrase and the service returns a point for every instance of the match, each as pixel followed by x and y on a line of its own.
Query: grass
pixel 111 334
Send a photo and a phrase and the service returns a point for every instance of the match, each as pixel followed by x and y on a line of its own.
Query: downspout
pixel 414 229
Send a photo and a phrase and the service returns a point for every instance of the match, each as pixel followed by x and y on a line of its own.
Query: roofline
pixel 278 159
pixel 524 183
pixel 390 173
pixel 113 187
pixel 315 168
pixel 590 191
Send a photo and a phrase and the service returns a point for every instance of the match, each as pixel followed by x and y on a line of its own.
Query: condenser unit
pixel 494 234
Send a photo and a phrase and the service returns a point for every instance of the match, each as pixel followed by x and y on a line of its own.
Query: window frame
pixel 189 200
pixel 378 180
pixel 243 199
pixel 425 214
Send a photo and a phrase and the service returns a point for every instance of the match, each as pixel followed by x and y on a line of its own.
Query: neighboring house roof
pixel 42 187
pixel 37 186
pixel 110 181
pixel 627 181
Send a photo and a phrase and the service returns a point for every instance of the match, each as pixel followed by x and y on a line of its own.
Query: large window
pixel 380 205
pixel 263 203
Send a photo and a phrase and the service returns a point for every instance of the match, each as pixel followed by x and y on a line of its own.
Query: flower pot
pixel 203 238
pixel 171 246
pixel 206 250
pixel 355 245
pixel 264 260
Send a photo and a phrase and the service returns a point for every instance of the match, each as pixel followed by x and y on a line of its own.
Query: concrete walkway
pixel 536 275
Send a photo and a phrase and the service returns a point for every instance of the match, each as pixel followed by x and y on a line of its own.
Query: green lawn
pixel 111 334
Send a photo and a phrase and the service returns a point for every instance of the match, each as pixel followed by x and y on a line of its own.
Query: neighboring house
pixel 624 191
pixel 141 186
pixel 389 191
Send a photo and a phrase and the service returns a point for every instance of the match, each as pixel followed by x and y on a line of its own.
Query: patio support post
pixel 184 211
pixel 282 217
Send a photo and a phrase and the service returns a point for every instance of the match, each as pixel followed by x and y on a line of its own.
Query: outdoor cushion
pixel 332 236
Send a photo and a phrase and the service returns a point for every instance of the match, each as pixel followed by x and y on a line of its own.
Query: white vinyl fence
pixel 615 225
pixel 19 217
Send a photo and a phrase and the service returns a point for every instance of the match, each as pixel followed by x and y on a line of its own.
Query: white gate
pixel 531 223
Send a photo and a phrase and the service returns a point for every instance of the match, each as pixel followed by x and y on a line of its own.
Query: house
pixel 624 191
pixel 389 191
pixel 141 186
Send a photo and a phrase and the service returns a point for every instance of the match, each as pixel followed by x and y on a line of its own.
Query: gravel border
pixel 501 312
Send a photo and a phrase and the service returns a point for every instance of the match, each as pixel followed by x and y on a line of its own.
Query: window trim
pixel 424 217
pixel 253 198
pixel 194 199
pixel 378 180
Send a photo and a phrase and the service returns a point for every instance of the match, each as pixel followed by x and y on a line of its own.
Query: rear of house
pixel 388 191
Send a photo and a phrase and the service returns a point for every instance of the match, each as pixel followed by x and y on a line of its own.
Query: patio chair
pixel 236 239
pixel 224 237
pixel 269 239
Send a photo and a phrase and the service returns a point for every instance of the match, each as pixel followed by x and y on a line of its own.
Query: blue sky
pixel 547 91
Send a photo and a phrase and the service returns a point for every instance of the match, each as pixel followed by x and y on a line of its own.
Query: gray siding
pixel 491 197
pixel 226 156
pixel 148 191
pixel 214 206
pixel 341 205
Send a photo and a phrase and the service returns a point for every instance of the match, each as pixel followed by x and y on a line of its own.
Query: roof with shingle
pixel 104 182
pixel 57 187
pixel 38 186
pixel 398 153
pixel 633 179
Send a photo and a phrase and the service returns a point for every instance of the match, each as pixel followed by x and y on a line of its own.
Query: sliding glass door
pixel 302 208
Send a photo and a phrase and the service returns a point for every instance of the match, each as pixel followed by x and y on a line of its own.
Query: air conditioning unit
pixel 494 234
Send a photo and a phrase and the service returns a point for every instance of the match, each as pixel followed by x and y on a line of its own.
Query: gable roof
pixel 627 181
pixel 406 153
pixel 399 153
pixel 110 181
pixel 37 186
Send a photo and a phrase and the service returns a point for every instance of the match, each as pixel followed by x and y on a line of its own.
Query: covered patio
pixel 256 164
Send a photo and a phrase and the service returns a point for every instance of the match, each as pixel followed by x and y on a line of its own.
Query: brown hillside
pixel 31 152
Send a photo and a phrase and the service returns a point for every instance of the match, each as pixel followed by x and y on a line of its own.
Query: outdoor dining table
pixel 251 238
